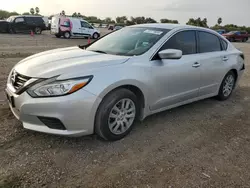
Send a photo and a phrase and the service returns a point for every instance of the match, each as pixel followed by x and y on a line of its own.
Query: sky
pixel 232 11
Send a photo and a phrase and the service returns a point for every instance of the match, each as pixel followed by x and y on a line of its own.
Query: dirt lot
pixel 205 144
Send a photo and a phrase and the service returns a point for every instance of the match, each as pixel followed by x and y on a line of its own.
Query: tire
pixel 223 95
pixel 95 36
pixel 38 30
pixel 58 36
pixel 108 121
pixel 245 39
pixel 66 35
pixel 11 31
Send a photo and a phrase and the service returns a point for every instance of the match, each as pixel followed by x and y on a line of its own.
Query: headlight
pixel 52 87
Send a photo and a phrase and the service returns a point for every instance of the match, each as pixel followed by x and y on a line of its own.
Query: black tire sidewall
pixel 221 96
pixel 64 35
pixel 101 124
pixel 96 35
pixel 38 33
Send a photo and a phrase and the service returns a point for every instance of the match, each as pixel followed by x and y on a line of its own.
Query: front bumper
pixel 75 111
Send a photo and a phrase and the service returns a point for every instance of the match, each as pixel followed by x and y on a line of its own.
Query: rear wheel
pixel 58 36
pixel 38 30
pixel 227 86
pixel 244 40
pixel 66 35
pixel 116 115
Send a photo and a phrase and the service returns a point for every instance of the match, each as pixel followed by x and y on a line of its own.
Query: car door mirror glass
pixel 170 54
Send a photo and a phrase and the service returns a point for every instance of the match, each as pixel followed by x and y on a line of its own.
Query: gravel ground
pixel 204 144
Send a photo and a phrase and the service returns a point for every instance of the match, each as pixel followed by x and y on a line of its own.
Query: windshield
pixel 233 32
pixel 10 19
pixel 128 41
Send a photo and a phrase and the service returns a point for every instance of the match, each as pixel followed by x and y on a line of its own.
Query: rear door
pixel 20 25
pixel 213 61
pixel 55 21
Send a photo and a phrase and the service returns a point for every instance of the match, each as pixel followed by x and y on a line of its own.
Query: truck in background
pixel 72 27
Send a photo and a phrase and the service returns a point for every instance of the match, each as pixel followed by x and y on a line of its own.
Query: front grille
pixel 18 80
pixel 52 123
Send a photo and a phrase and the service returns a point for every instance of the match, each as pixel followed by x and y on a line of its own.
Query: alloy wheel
pixel 228 85
pixel 122 116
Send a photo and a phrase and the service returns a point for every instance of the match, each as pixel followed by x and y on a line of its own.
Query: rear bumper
pixel 76 112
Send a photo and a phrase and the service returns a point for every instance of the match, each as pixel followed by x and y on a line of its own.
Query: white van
pixel 72 27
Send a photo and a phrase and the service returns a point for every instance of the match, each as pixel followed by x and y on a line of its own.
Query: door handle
pixel 196 65
pixel 224 58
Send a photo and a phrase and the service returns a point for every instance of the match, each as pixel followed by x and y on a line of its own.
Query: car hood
pixel 65 60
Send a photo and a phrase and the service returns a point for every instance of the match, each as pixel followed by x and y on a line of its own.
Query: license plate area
pixel 11 100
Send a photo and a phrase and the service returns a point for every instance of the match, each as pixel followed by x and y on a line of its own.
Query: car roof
pixel 169 26
pixel 161 25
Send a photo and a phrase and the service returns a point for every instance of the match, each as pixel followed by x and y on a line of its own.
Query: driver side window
pixel 184 41
pixel 86 25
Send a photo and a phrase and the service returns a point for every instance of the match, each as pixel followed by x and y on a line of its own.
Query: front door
pixel 20 25
pixel 176 80
pixel 85 28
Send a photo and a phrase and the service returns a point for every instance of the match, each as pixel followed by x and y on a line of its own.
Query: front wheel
pixel 116 115
pixel 57 35
pixel 95 36
pixel 227 86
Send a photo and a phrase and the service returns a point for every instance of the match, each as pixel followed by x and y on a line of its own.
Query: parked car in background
pixel 25 24
pixel 4 26
pixel 118 27
pixel 221 31
pixel 234 36
pixel 129 74
pixel 72 27
pixel 111 27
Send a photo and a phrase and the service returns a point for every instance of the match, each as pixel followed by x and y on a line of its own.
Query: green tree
pixel 108 20
pixel 79 14
pixel 197 22
pixel 12 14
pixel 122 19
pixel 26 13
pixel 219 21
pixel 150 20
pixel 32 11
pixel 74 14
pixel 169 21
pixel 37 10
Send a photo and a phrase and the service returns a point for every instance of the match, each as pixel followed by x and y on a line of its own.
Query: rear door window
pixel 224 44
pixel 208 42
pixel 29 20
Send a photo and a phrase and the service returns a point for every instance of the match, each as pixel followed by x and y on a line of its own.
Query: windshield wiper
pixel 99 51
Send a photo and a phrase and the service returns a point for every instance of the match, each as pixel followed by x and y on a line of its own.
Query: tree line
pixel 125 21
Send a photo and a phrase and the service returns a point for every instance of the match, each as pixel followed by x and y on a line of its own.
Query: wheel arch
pixel 134 88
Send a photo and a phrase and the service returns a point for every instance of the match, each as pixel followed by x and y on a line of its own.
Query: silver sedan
pixel 134 72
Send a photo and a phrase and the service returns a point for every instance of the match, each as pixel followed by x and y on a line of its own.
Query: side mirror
pixel 170 54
